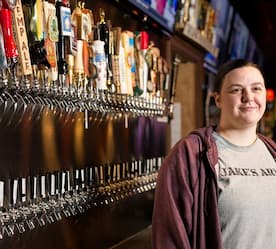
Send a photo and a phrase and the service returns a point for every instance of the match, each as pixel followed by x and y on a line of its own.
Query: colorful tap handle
pixel 50 48
pixel 103 30
pixel 88 20
pixel 9 43
pixel 144 40
pixel 70 62
pixel 3 59
pixel 85 54
pixel 76 19
pixel 141 45
pixel 116 31
pixel 100 62
pixel 64 25
pixel 128 47
pixel 105 35
pixel 78 64
pixel 175 68
pixel 21 39
pixel 78 67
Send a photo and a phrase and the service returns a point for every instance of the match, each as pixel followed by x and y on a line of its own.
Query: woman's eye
pixel 257 89
pixel 235 90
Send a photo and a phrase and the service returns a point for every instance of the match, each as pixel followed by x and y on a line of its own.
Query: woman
pixel 217 187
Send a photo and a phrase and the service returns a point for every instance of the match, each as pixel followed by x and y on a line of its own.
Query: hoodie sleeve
pixel 172 214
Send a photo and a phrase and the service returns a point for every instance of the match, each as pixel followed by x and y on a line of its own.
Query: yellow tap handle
pixel 39 19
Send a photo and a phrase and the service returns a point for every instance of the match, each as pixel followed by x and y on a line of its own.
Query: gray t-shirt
pixel 247 195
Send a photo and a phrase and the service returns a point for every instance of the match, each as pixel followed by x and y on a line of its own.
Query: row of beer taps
pixel 35 201
pixel 100 68
pixel 44 69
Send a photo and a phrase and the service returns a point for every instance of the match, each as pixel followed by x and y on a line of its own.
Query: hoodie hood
pixel 208 141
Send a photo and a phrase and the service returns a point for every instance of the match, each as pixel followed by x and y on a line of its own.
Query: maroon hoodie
pixel 185 214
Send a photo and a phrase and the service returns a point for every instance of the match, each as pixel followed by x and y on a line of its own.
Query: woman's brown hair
pixel 229 66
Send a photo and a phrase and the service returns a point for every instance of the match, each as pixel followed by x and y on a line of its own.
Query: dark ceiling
pixel 260 17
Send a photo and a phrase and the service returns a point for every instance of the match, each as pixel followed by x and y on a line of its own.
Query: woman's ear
pixel 216 96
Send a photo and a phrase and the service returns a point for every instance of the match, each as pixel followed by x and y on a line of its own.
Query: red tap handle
pixel 9 43
pixel 144 40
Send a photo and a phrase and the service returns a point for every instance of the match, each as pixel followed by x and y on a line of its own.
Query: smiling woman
pixel 242 101
pixel 204 190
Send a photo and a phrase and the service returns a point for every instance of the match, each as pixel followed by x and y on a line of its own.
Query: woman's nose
pixel 247 96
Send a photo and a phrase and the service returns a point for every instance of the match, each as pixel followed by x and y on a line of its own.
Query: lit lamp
pixel 270 96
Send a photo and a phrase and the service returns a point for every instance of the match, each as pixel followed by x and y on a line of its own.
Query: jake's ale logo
pixel 233 171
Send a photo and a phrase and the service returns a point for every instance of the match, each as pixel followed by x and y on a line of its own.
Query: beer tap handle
pixel 105 34
pixel 70 62
pixel 176 63
pixel 85 54
pixel 51 38
pixel 102 178
pixel 6 22
pixel 23 190
pixel 52 184
pixel 75 29
pixel 76 179
pixel 37 20
pixel 67 182
pixel 82 178
pixel 128 53
pixel 42 186
pixel 22 43
pixel 33 188
pixel 2 194
pixel 100 64
pixel 122 172
pixel 14 192
pixel 63 183
pixel 141 47
pixel 78 67
pixel 57 183
pixel 155 52
pixel 115 57
pixel 103 30
pixel 64 25
pixel 3 59
pixel 9 42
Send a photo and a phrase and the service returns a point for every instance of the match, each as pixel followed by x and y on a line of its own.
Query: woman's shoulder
pixel 196 141
pixel 184 155
pixel 270 144
pixel 201 135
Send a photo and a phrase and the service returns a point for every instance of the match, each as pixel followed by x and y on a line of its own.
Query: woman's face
pixel 242 99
